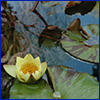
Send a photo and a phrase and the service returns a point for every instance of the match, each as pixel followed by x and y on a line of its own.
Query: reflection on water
pixel 29 26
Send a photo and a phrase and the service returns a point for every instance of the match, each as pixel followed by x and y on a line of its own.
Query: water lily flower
pixel 27 69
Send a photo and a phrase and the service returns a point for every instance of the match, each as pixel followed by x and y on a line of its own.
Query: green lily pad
pixel 76 36
pixel 40 90
pixel 87 50
pixel 67 84
pixel 74 85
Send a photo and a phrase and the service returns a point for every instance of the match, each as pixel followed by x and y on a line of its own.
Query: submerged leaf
pixel 49 43
pixel 12 60
pixel 4 4
pixel 52 33
pixel 5 58
pixel 4 45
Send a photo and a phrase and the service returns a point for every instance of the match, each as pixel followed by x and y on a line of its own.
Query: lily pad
pixel 40 90
pixel 67 83
pixel 74 85
pixel 87 50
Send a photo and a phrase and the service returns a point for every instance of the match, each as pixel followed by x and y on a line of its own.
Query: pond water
pixel 53 16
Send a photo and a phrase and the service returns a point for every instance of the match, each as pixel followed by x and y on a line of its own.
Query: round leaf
pixel 74 85
pixel 87 50
pixel 39 90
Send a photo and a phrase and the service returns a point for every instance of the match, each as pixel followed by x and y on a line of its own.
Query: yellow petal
pixel 37 61
pixel 37 74
pixel 10 69
pixel 19 61
pixel 43 67
pixel 28 58
pixel 21 76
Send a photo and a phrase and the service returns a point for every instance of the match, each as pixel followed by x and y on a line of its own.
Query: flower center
pixel 28 67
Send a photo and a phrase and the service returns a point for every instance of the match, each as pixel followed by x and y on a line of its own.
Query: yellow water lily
pixel 27 69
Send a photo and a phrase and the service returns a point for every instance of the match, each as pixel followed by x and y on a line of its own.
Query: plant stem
pixel 35 5
pixel 38 14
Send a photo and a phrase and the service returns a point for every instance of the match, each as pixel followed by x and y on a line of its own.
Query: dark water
pixel 53 16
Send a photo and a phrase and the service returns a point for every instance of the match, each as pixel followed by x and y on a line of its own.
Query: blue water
pixel 53 16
